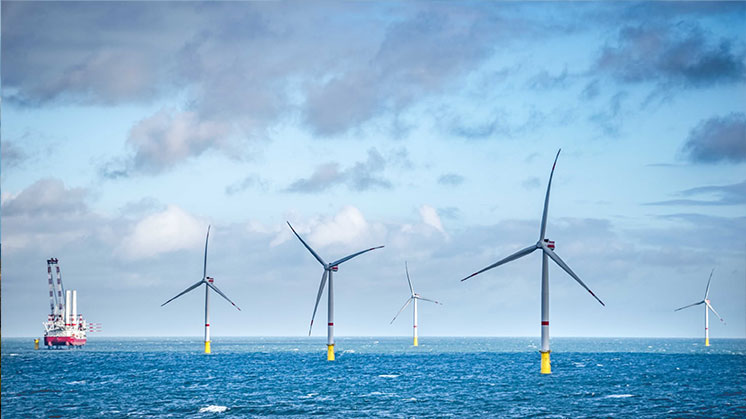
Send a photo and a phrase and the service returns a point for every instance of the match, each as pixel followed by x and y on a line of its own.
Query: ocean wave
pixel 389 375
pixel 213 409
pixel 618 396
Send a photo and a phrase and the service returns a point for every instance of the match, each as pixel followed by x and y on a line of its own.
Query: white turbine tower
pixel 413 297
pixel 707 304
pixel 328 269
pixel 208 284
pixel 547 248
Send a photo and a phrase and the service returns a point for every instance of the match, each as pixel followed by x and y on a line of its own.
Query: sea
pixel 374 377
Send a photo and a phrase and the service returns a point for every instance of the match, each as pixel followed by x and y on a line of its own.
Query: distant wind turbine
pixel 208 284
pixel 707 304
pixel 414 297
pixel 547 248
pixel 328 269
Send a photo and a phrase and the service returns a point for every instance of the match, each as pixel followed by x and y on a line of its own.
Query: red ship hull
pixel 63 341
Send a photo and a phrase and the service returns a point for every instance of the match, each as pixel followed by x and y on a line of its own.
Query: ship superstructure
pixel 64 326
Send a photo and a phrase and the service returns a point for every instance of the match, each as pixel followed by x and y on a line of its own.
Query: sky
pixel 426 127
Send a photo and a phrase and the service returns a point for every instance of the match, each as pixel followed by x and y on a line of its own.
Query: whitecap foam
pixel 389 375
pixel 213 409
pixel 308 396
pixel 348 351
pixel 377 393
pixel 619 396
pixel 76 382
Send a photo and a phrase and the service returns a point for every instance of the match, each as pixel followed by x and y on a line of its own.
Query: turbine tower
pixel 708 307
pixel 328 269
pixel 547 248
pixel 208 284
pixel 413 297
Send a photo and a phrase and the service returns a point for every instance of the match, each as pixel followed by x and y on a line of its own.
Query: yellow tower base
pixel 330 352
pixel 415 341
pixel 36 343
pixel 207 346
pixel 707 341
pixel 546 367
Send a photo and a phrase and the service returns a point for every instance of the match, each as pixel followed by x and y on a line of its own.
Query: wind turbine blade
pixel 318 297
pixel 408 280
pixel 567 269
pixel 546 200
pixel 707 290
pixel 690 305
pixel 510 258
pixel 214 288
pixel 409 300
pixel 713 310
pixel 204 268
pixel 184 292
pixel 432 301
pixel 321 261
pixel 346 258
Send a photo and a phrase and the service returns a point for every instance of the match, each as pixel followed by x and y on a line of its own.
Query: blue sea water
pixel 383 377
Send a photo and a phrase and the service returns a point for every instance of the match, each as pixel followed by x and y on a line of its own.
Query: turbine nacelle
pixel 549 243
pixel 334 268
pixel 210 280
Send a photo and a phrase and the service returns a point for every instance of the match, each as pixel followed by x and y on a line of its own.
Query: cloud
pixel 734 194
pixel 46 216
pixel 531 183
pixel 419 55
pixel 260 64
pixel 70 65
pixel 347 228
pixel 361 176
pixel 610 119
pixel 46 197
pixel 545 81
pixel 246 183
pixel 718 139
pixel 682 54
pixel 12 155
pixel 167 138
pixel 430 217
pixel 450 179
pixel 591 90
pixel 167 231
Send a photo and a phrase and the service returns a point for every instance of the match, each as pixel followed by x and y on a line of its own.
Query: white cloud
pixel 163 232
pixel 346 227
pixel 430 217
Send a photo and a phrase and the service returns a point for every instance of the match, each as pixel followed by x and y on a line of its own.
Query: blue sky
pixel 427 127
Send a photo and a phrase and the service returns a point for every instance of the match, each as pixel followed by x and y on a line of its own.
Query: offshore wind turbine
pixel 547 249
pixel 208 284
pixel 328 269
pixel 414 297
pixel 708 307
